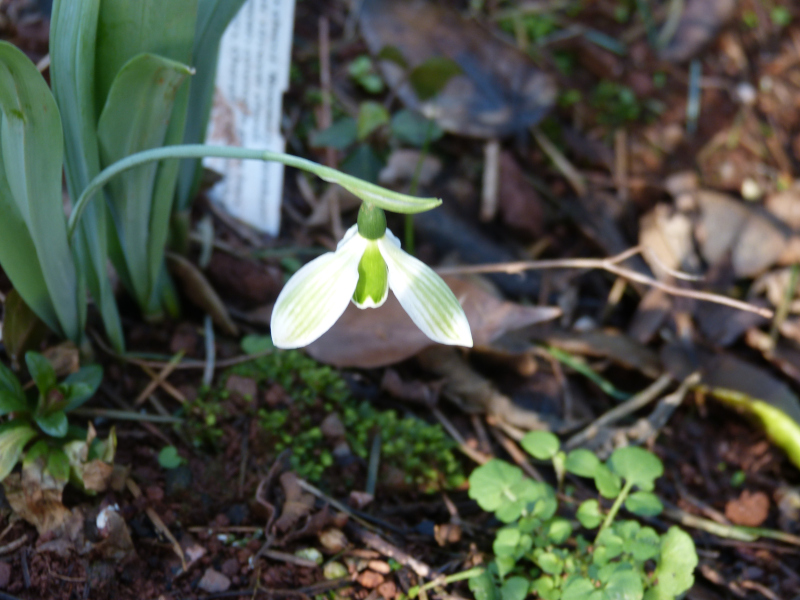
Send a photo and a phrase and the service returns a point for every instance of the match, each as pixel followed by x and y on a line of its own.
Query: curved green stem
pixel 626 489
pixel 369 192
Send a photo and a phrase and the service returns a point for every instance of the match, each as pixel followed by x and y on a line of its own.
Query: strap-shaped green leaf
pixel 31 153
pixel 136 117
pixel 73 32
pixel 163 28
pixel 213 18
pixel 126 29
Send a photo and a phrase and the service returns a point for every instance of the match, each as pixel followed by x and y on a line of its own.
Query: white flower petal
pixel 347 236
pixel 317 295
pixel 425 296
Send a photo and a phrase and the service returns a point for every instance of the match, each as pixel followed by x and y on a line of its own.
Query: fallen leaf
pixel 297 504
pixel 745 388
pixel 384 336
pixel 35 496
pixel 521 206
pixel 699 24
pixel 751 237
pixel 610 344
pixel 498 91
pixel 199 292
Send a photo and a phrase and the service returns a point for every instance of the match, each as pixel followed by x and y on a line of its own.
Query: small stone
pixel 5 574
pixel 230 567
pixel 334 570
pixel 370 579
pixel 214 582
pixel 380 566
pixel 333 540
pixel 387 590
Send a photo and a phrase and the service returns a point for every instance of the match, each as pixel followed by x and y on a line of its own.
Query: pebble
pixel 370 579
pixel 387 590
pixel 214 582
pixel 380 566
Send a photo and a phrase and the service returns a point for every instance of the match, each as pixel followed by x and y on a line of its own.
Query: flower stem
pixel 386 199
pixel 626 489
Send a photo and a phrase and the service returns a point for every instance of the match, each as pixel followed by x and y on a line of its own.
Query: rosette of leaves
pixel 37 419
pixel 623 560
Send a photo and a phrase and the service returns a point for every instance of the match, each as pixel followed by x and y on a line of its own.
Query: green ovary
pixel 373 279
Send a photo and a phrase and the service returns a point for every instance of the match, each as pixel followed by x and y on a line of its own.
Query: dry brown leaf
pixel 753 239
pixel 384 336
pixel 200 293
pixel 500 90
pixel 35 496
pixel 698 25
pixel 297 504
pixel 609 344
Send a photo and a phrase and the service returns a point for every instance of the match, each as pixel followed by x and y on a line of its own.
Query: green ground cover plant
pixel 548 547
pixel 422 452
pixel 36 424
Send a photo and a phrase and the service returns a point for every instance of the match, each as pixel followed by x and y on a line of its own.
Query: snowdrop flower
pixel 367 263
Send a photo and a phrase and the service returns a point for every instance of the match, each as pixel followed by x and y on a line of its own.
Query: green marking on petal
pixel 373 279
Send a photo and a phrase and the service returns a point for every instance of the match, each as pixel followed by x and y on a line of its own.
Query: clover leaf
pixel 624 584
pixel 540 444
pixel 645 545
pixel 490 484
pixel 578 588
pixel 589 514
pixel 483 587
pixel 608 483
pixel 676 565
pixel 644 504
pixel 637 466
pixel 582 463
pixel 515 588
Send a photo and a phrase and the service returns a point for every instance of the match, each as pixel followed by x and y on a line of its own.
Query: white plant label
pixel 252 76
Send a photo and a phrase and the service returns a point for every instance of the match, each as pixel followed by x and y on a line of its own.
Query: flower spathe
pixel 367 263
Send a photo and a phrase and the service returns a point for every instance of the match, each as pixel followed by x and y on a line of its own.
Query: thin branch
pixel 611 265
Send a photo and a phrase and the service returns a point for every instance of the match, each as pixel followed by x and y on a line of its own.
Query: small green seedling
pixel 623 560
pixel 169 458
pixel 41 414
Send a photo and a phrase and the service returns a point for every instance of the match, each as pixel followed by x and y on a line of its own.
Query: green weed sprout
pixel 40 416
pixel 621 559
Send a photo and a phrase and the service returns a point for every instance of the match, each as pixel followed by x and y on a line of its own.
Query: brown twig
pixel 12 546
pixel 610 265
pixel 158 379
